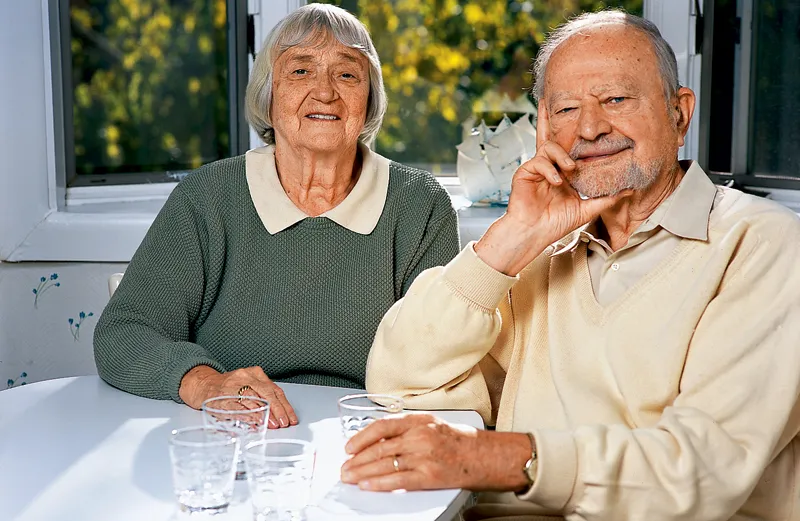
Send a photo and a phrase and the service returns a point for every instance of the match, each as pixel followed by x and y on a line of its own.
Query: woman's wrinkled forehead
pixel 315 38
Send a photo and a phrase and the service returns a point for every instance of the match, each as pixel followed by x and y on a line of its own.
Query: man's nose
pixel 593 122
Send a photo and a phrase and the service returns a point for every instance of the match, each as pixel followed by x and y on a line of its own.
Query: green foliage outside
pixel 445 61
pixel 149 84
pixel 149 77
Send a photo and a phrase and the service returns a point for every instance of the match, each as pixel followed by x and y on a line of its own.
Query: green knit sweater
pixel 210 286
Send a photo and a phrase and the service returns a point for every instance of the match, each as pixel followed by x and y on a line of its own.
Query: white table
pixel 78 449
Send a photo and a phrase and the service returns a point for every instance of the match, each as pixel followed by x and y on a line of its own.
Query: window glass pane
pixel 775 109
pixel 149 84
pixel 447 64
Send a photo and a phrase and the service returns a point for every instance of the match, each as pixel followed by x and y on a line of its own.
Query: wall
pixel 48 334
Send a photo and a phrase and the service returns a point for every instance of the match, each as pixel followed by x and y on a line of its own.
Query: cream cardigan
pixel 677 401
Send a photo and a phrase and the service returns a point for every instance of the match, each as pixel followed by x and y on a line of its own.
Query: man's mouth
pixel 324 117
pixel 599 155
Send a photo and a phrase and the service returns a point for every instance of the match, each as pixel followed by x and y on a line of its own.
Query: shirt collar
pixel 687 210
pixel 359 212
pixel 684 213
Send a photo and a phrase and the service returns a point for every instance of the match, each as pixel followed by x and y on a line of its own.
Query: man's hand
pixel 433 454
pixel 203 382
pixel 542 208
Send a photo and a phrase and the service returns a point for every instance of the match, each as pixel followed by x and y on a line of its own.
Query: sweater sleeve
pixel 440 242
pixel 143 340
pixel 429 344
pixel 737 407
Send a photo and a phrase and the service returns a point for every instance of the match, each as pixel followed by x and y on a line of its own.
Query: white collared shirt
pixel 358 212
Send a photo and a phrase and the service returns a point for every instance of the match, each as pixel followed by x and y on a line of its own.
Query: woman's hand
pixel 433 454
pixel 203 382
pixel 542 207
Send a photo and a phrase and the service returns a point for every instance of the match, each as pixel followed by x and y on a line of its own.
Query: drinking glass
pixel 245 416
pixel 356 411
pixel 279 474
pixel 203 468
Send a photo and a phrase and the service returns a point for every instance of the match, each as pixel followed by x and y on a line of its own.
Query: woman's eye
pixel 299 72
pixel 347 76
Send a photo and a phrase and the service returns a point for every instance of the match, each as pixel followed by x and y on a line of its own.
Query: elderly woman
pixel 278 265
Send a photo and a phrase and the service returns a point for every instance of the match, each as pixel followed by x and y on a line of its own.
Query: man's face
pixel 320 95
pixel 605 101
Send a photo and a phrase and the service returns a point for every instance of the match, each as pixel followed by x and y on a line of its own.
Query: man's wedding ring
pixel 396 464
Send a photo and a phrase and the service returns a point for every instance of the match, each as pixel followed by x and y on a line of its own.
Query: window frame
pixel 41 217
pixel 742 174
pixel 238 68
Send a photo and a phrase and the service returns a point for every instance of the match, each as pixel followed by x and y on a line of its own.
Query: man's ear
pixel 682 109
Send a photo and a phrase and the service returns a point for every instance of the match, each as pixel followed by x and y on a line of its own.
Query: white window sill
pixel 98 224
pixel 106 224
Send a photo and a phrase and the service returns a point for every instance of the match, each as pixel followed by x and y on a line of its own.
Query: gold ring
pixel 243 389
pixel 396 464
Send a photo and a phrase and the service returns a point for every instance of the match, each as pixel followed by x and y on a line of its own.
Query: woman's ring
pixel 243 389
pixel 396 464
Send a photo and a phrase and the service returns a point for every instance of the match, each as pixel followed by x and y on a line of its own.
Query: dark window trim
pixel 736 33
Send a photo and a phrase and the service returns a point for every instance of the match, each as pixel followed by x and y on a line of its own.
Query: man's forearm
pixel 509 245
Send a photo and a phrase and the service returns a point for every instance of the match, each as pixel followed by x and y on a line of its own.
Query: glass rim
pixel 377 407
pixel 205 407
pixel 229 438
pixel 287 441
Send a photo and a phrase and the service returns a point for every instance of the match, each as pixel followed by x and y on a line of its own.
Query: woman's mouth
pixel 323 117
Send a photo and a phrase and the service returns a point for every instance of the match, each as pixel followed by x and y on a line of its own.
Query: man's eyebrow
pixel 562 95
pixel 625 86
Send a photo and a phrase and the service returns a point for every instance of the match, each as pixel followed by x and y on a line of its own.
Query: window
pixel 752 118
pixel 61 148
pixel 449 64
pixel 151 88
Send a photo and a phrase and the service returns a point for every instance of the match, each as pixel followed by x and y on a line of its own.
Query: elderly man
pixel 633 328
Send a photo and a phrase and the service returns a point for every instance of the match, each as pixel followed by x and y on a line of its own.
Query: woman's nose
pixel 324 89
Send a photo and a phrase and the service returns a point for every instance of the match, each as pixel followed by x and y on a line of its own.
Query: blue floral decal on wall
pixel 75 325
pixel 45 284
pixel 19 381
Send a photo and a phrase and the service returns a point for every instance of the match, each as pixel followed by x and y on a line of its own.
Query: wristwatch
pixel 531 465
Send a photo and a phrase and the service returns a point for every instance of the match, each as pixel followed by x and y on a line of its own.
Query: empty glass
pixel 203 468
pixel 246 417
pixel 356 411
pixel 279 474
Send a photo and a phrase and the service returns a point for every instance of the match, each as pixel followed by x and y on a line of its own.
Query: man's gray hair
pixel 667 64
pixel 304 26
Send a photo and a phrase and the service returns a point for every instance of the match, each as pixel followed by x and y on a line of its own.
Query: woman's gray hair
pixel 667 64
pixel 300 27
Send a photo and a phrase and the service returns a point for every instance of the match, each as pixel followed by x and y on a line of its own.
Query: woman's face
pixel 320 93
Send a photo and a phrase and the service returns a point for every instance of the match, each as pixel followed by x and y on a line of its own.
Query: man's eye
pixel 565 110
pixel 617 99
